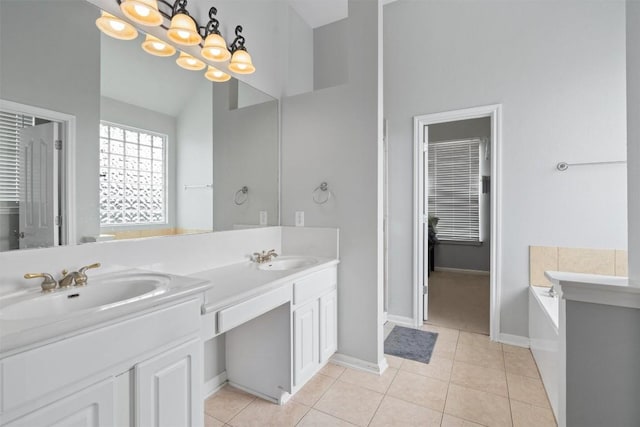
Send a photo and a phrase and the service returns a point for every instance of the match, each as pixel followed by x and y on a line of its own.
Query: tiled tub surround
pixel 608 262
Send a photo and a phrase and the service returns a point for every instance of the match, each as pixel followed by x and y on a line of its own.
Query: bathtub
pixel 545 343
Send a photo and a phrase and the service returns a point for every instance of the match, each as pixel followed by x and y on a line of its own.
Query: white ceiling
pixel 317 13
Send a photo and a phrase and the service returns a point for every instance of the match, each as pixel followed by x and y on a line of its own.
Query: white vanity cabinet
pixel 306 342
pixel 148 365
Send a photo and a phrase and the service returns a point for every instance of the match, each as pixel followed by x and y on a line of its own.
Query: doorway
pixel 456 210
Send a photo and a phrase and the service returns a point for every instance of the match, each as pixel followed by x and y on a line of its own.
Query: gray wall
pixel 245 153
pixel 35 71
pixel 194 161
pixel 467 257
pixel 122 113
pixel 330 65
pixel 633 136
pixel 536 58
pixel 603 379
pixel 331 135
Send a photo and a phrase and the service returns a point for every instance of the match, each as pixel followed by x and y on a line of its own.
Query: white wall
pixel 332 135
pixel 330 65
pixel 633 136
pixel 558 69
pixel 36 71
pixel 194 161
pixel 122 113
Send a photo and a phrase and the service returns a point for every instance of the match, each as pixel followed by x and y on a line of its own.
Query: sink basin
pixel 288 263
pixel 100 294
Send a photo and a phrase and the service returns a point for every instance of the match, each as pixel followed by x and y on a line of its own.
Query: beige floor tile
pixel 444 334
pixel 445 349
pixel 521 364
pixel 227 403
pixel 480 356
pixel 209 421
pixel 478 340
pixel 379 383
pixel 332 370
pixel 528 390
pixel 479 378
pixel 439 368
pixel 418 389
pixel 350 403
pixel 525 415
pixel 262 413
pixel 514 349
pixel 396 412
pixel 320 419
pixel 394 361
pixel 451 421
pixel 313 390
pixel 478 406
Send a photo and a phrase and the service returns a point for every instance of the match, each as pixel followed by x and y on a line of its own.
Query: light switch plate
pixel 299 218
pixel 263 217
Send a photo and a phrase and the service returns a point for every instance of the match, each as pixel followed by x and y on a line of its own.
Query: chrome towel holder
pixel 563 166
pixel 241 196
pixel 322 194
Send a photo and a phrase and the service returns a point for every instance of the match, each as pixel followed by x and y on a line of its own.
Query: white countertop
pixel 596 289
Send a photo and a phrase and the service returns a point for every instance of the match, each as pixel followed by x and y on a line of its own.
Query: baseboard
pixel 462 270
pixel 359 364
pixel 516 340
pixel 214 384
pixel 401 320
pixel 384 317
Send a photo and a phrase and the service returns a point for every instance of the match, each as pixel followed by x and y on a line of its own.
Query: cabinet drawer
pixel 231 317
pixel 314 285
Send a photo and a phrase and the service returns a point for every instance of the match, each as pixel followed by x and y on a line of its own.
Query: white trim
pixel 359 364
pixel 494 112
pixel 463 270
pixel 284 396
pixel 515 340
pixel 68 184
pixel 407 322
pixel 214 384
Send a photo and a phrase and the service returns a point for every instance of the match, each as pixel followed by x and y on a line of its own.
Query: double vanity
pixel 127 348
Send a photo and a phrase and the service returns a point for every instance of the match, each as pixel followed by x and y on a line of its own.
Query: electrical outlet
pixel 299 218
pixel 263 217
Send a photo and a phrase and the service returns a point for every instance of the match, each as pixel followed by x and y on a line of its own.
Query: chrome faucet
pixel 263 257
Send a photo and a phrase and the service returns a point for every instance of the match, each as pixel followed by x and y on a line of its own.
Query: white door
pixel 90 407
pixel 38 208
pixel 425 226
pixel 168 388
pixel 328 325
pixel 306 355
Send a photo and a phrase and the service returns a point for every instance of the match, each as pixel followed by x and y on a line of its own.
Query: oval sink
pixel 288 263
pixel 99 294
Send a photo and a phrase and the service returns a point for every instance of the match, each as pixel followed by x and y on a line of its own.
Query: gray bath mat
pixel 412 344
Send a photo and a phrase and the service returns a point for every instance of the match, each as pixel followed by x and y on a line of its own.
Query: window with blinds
pixel 454 187
pixel 132 176
pixel 10 125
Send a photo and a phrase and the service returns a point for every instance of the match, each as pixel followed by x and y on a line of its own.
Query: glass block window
pixel 132 176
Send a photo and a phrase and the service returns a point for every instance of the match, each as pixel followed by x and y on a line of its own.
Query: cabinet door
pixel 306 342
pixel 168 388
pixel 90 407
pixel 328 325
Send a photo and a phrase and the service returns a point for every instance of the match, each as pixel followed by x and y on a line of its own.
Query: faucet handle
pixel 47 285
pixel 88 267
pixel 81 276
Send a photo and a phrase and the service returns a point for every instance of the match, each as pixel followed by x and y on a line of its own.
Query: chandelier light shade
pixel 188 62
pixel 115 27
pixel 143 12
pixel 183 30
pixel 215 48
pixel 216 75
pixel 157 47
pixel 240 59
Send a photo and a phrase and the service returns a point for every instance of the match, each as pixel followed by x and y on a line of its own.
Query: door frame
pixel 494 112
pixel 68 164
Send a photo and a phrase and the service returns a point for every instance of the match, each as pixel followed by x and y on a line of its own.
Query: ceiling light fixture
pixel 115 27
pixel 240 59
pixel 183 29
pixel 157 47
pixel 188 62
pixel 143 12
pixel 216 75
pixel 215 47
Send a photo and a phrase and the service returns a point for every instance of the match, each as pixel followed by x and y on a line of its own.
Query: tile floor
pixel 470 381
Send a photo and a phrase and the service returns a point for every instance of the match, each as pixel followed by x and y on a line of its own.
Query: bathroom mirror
pixel 206 153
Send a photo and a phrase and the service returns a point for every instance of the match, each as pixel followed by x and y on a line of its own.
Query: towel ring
pixel 321 194
pixel 241 196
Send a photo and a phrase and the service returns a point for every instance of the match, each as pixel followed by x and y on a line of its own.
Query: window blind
pixel 453 186
pixel 10 125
